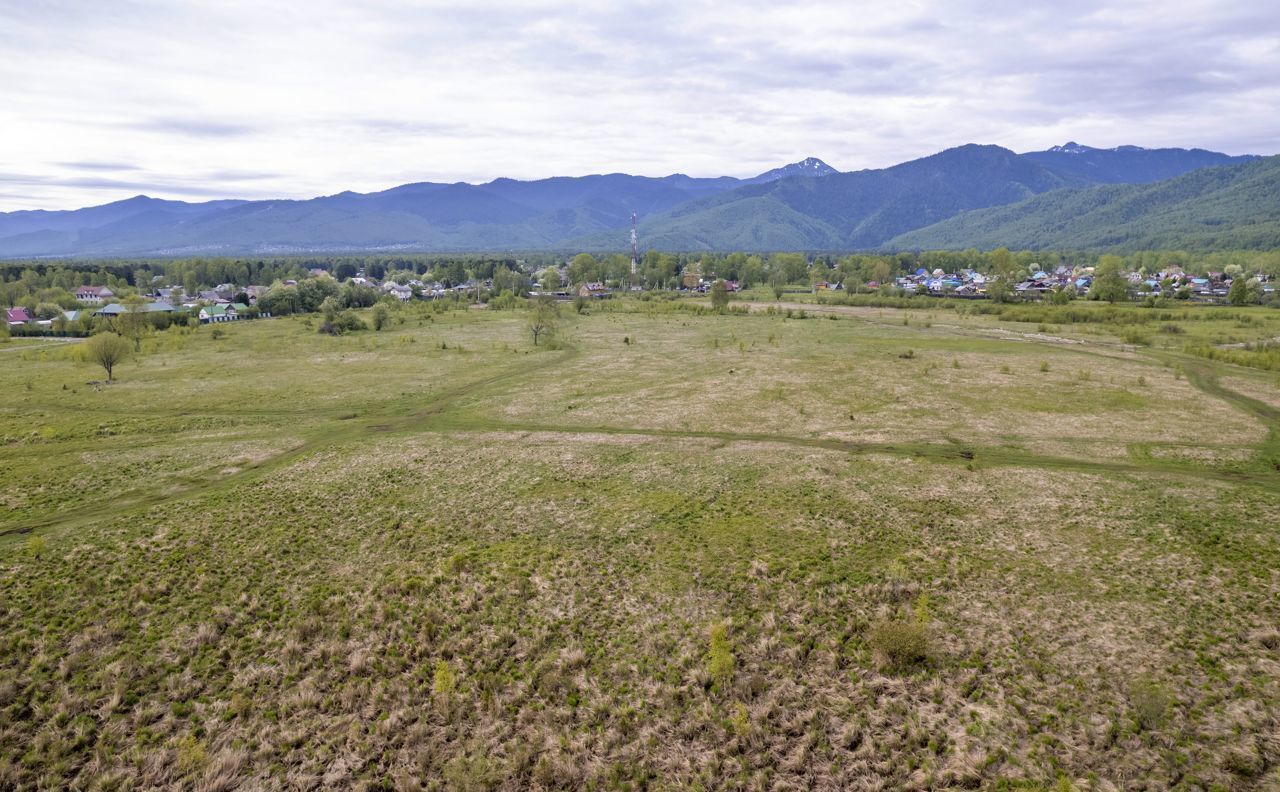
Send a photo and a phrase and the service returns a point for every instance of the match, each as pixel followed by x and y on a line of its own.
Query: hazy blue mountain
pixel 804 205
pixel 1234 206
pixel 141 209
pixel 1126 164
pixel 846 210
pixel 504 213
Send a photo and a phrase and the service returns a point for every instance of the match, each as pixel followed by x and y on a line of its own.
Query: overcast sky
pixel 105 99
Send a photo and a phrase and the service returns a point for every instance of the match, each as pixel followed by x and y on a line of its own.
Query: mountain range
pixel 973 195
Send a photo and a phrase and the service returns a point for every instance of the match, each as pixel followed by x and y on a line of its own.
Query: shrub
pixel 191 755
pixel 1150 703
pixel 443 682
pixel 1136 337
pixel 899 642
pixel 720 659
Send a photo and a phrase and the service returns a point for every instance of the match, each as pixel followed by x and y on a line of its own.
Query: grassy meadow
pixel 794 546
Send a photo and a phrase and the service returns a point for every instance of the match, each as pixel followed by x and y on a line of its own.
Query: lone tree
pixel 546 313
pixel 719 295
pixel 1243 290
pixel 133 324
pixel 381 316
pixel 107 349
pixel 1109 282
pixel 777 282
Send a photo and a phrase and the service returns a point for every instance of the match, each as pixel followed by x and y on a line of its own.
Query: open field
pixel 867 549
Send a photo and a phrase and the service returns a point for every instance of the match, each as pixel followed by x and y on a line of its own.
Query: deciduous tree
pixel 107 350
pixel 546 314
pixel 1109 282
pixel 719 295
pixel 133 323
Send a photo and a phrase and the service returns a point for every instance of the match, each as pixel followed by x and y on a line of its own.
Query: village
pixel 228 302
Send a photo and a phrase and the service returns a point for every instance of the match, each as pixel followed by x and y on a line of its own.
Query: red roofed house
pixel 18 316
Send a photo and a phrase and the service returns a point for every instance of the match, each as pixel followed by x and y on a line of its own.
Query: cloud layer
pixel 268 98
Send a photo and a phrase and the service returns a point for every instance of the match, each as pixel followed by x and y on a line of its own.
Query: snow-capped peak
pixel 1073 147
pixel 809 166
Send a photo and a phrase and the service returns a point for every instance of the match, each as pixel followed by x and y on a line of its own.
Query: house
pixel 218 312
pixel 214 296
pixel 94 295
pixel 401 293
pixel 115 309
pixel 19 316
pixel 594 289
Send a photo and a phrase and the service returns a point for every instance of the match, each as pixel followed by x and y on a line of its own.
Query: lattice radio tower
pixel 634 248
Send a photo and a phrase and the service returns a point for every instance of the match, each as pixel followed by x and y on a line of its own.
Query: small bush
pixel 192 756
pixel 443 682
pixel 1150 703
pixel 720 659
pixel 900 643
pixel 1135 336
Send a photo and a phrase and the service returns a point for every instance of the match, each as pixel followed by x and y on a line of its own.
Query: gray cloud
pixel 99 166
pixel 193 127
pixel 370 95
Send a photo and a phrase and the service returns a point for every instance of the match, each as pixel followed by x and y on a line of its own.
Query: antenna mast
pixel 634 249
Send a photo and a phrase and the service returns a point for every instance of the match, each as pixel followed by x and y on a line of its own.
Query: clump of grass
pixel 1004 368
pixel 1083 375
pixel 910 353
pixel 1044 365
pixel 720 660
pixel 36 545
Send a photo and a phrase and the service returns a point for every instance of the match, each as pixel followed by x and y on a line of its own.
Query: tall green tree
pixel 133 324
pixel 1109 282
pixel 719 295
pixel 584 269
pixel 777 282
